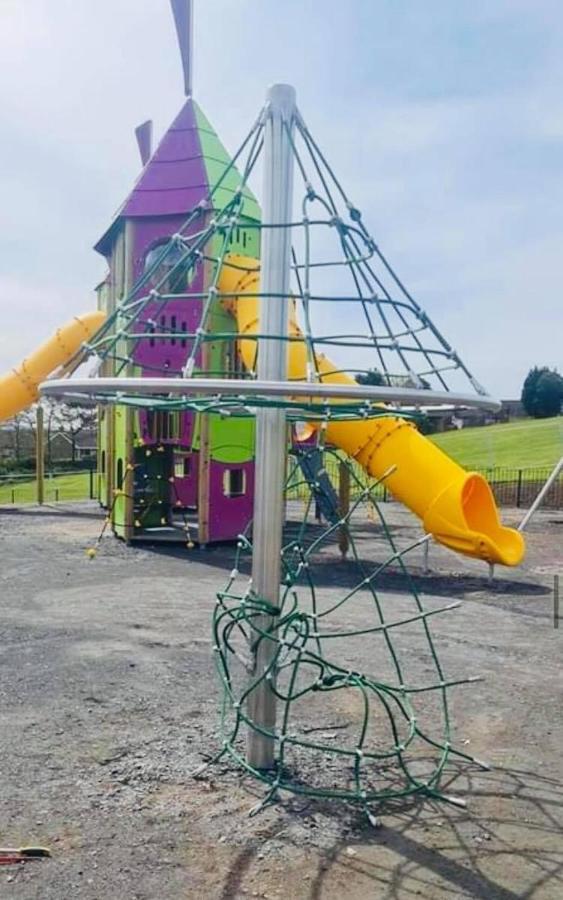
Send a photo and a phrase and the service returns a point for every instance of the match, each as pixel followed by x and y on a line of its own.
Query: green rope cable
pixel 299 649
pixel 306 667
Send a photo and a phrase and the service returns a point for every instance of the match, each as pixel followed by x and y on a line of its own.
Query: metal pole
pixel 519 489
pixel 343 507
pixel 551 480
pixel 271 438
pixel 425 563
pixel 40 454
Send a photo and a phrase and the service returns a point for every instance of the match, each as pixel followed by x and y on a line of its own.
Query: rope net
pixel 361 735
pixel 343 733
pixel 348 299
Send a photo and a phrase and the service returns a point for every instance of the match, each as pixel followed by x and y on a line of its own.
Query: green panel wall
pixel 120 462
pixel 217 160
pixel 231 440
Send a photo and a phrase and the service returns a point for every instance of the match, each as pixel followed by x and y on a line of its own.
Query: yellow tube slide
pixel 455 506
pixel 19 388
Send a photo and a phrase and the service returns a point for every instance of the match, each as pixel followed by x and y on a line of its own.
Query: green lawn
pixel 69 487
pixel 527 442
pixel 519 445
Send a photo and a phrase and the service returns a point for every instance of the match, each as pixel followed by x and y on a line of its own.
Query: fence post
pixel 40 455
pixel 343 507
pixel 519 489
pixel 91 474
pixel 425 562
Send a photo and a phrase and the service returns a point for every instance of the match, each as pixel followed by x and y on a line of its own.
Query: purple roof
pixel 174 179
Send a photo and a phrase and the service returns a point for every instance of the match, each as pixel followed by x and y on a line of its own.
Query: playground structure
pixel 158 470
pixel 179 299
pixel 210 367
pixel 182 298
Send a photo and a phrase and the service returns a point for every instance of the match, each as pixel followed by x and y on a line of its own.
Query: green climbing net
pixel 349 300
pixel 361 732
pixel 343 731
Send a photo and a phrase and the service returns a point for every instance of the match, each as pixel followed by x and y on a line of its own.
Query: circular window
pixel 170 272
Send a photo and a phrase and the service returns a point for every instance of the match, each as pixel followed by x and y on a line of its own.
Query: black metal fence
pixel 20 488
pixel 520 487
pixel 511 486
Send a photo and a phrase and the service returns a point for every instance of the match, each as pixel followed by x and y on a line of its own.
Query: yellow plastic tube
pixel 455 506
pixel 19 388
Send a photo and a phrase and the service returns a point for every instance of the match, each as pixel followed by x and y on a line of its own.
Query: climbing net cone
pixel 360 735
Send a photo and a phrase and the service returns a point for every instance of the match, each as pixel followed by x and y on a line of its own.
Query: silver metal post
pixel 271 437
pixel 541 495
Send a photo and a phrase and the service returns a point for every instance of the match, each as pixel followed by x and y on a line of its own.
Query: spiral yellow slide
pixel 19 388
pixel 455 506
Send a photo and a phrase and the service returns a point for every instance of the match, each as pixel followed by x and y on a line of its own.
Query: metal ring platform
pixel 245 389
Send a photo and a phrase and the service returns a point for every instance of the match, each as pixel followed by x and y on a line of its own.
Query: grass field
pixel 62 487
pixel 533 443
pixel 528 442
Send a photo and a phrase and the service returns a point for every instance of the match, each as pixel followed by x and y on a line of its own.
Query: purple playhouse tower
pixel 167 474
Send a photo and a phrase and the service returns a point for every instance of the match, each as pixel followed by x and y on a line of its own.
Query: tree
pixel 17 426
pixel 374 376
pixel 71 420
pixel 21 429
pixel 371 376
pixel 529 390
pixel 549 394
pixel 425 424
pixel 542 392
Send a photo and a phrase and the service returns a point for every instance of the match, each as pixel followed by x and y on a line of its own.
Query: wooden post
pixel 110 456
pixel 343 506
pixel 130 415
pixel 203 484
pixel 204 460
pixel 108 369
pixel 40 455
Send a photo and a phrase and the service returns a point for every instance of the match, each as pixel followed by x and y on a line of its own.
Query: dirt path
pixel 109 701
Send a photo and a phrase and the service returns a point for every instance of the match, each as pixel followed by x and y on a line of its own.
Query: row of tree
pixel 58 418
pixel 542 392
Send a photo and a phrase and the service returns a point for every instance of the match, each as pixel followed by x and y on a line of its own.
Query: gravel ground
pixel 109 701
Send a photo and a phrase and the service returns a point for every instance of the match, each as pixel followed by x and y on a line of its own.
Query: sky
pixel 443 120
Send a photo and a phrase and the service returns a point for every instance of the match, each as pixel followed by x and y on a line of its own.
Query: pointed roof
pixel 185 167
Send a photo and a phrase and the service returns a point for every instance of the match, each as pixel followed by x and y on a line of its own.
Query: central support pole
pixel 271 436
